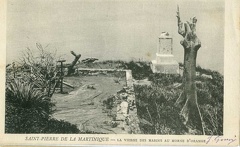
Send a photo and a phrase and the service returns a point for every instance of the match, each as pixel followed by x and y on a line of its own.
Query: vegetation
pixel 28 110
pixel 140 70
pixel 210 99
pixel 156 110
pixel 156 107
pixel 28 96
pixel 156 103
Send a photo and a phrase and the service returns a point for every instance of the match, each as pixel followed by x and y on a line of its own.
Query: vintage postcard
pixel 116 72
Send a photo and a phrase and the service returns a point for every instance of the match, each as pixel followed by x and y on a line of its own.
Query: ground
pixel 84 105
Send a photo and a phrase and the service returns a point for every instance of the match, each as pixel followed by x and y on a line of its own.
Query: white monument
pixel 165 62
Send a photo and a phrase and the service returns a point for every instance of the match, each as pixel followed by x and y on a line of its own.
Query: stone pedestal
pixel 164 62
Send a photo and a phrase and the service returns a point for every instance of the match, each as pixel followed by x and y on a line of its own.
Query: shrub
pixel 140 70
pixel 28 110
pixel 22 94
pixel 44 72
pixel 213 119
pixel 165 79
pixel 22 120
pixel 157 112
pixel 56 126
pixel 156 106
pixel 210 98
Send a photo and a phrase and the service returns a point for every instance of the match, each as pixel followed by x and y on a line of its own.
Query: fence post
pixel 61 76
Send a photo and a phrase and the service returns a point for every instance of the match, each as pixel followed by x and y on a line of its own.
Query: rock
pixel 114 124
pixel 123 96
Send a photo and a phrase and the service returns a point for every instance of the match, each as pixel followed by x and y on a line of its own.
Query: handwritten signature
pixel 218 139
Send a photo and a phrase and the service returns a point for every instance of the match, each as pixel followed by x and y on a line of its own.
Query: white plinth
pixel 160 58
pixel 165 67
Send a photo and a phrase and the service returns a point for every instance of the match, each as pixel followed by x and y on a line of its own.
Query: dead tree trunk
pixel 70 67
pixel 188 99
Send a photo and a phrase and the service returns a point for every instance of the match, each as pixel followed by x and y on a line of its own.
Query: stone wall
pixel 126 114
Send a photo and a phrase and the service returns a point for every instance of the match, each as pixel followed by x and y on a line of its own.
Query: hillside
pixel 155 102
pixel 155 98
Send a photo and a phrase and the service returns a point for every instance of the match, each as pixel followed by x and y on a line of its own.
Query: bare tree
pixel 188 99
pixel 71 66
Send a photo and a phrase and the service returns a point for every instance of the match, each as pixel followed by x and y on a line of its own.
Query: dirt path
pixel 84 106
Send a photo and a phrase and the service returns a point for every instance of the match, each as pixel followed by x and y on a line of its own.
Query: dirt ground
pixel 83 105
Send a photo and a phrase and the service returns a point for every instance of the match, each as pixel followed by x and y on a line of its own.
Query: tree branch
pixel 197 44
pixel 187 30
pixel 181 29
pixel 193 25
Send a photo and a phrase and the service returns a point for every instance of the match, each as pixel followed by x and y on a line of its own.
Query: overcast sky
pixel 113 29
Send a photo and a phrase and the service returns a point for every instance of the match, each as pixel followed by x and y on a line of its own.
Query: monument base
pixel 167 68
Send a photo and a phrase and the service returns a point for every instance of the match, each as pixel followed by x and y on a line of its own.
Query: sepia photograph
pixel 105 67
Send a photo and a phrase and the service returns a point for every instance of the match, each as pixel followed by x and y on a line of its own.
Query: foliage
pixel 213 119
pixel 156 105
pixel 140 70
pixel 22 94
pixel 42 58
pixel 157 101
pixel 120 62
pixel 164 79
pixel 210 98
pixel 44 73
pixel 28 110
pixel 209 95
pixel 22 120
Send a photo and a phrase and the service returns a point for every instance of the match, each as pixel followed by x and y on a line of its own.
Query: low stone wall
pixel 126 115
pixel 133 121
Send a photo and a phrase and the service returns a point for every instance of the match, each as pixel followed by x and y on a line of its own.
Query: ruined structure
pixel 165 62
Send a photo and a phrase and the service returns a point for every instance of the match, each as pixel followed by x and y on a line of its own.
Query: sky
pixel 113 29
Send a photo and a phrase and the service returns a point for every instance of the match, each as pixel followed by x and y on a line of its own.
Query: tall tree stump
pixel 188 99
pixel 74 62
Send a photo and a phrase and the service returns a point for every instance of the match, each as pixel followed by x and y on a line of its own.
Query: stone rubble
pixel 126 110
